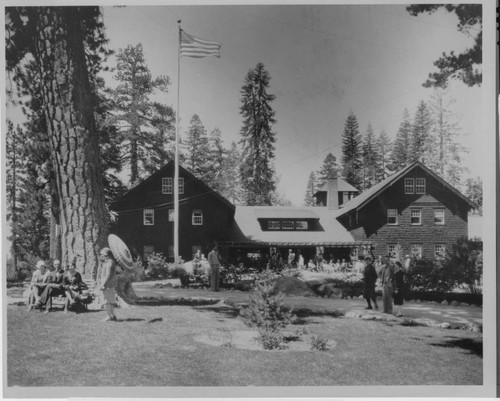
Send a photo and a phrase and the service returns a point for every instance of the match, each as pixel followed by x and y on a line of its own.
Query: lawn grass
pixel 60 349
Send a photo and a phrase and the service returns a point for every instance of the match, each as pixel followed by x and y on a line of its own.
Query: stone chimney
pixel 332 192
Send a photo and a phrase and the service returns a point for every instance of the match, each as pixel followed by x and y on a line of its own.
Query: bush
pixel 465 261
pixel 319 343
pixel 178 271
pixel 266 310
pixel 271 339
pixel 430 276
pixel 158 267
pixel 351 284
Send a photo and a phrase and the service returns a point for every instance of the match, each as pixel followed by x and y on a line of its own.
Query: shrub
pixel 430 276
pixel 231 274
pixel 178 271
pixel 319 343
pixel 158 267
pixel 266 310
pixel 465 262
pixel 271 339
pixel 351 284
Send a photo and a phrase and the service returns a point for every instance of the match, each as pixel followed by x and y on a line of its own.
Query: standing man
pixel 108 282
pixel 214 262
pixel 387 280
pixel 370 278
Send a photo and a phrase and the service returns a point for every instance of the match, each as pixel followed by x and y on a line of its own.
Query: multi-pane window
pixel 391 249
pixel 416 251
pixel 439 216
pixel 197 218
pixel 416 217
pixel 420 185
pixel 439 251
pixel 287 225
pixel 273 225
pixel 171 215
pixel 149 217
pixel 301 225
pixel 181 185
pixel 409 186
pixel 166 185
pixel 392 216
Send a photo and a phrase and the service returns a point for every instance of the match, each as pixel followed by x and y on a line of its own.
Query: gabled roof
pixel 138 188
pixel 342 186
pixel 365 197
pixel 246 227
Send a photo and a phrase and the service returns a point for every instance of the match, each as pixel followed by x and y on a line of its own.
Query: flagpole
pixel 176 161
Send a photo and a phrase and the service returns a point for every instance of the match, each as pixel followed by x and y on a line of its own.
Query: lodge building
pixel 414 208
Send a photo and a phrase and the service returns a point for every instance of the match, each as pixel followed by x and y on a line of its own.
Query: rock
pixel 292 286
pixel 329 291
pixel 444 303
pixel 353 314
pixel 368 317
pixel 445 325
pixel 455 303
pixel 244 285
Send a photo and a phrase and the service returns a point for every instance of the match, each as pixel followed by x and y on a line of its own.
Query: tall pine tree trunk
pixel 68 108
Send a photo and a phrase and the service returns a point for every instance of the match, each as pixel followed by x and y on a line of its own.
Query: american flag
pixel 192 46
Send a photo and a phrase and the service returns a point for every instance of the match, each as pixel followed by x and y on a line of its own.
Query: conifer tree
pixel 369 159
pixel 329 164
pixel 142 122
pixel 351 151
pixel 400 156
pixel 258 139
pixel 383 149
pixel 197 150
pixel 421 127
pixel 232 188
pixel 310 190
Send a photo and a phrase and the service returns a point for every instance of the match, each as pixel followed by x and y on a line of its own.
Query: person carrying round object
pixel 108 282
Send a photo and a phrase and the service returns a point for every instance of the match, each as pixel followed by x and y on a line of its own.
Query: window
pixel 171 215
pixel 301 225
pixel 391 249
pixel 197 218
pixel 287 225
pixel 273 225
pixel 439 216
pixel 166 185
pixel 409 186
pixel 420 186
pixel 170 252
pixel 439 251
pixel 392 216
pixel 149 217
pixel 416 217
pixel 416 251
pixel 181 185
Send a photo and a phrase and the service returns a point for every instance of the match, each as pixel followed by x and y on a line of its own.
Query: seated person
pixel 72 284
pixel 37 285
pixel 54 286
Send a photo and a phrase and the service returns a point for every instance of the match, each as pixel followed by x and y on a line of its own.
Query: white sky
pixel 324 60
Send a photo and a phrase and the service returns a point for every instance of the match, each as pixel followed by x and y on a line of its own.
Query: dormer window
pixel 167 185
pixel 273 225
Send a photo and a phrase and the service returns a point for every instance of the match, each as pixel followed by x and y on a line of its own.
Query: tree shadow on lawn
pixel 469 344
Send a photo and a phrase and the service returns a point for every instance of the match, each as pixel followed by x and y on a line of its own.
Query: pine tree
pixel 419 143
pixel 383 149
pixel 329 164
pixel 351 151
pixel 232 189
pixel 257 169
pixel 58 40
pixel 369 159
pixel 445 154
pixel 142 122
pixel 310 190
pixel 197 150
pixel 214 176
pixel 400 155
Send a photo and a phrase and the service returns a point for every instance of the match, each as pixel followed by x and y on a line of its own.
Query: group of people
pixel 391 274
pixel 53 281
pixel 47 283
